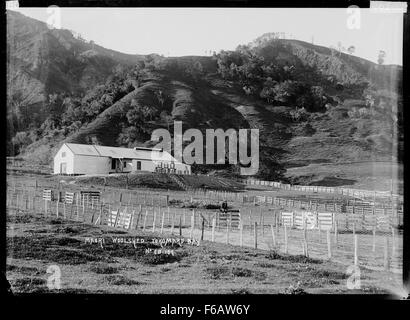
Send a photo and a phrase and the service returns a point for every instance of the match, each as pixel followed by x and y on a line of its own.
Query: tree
pixel 268 92
pixel 73 111
pixel 195 70
pixel 166 117
pixel 339 47
pixel 381 57
pixel 298 114
pixel 135 116
pixel 160 98
pixel 20 141
pixel 286 91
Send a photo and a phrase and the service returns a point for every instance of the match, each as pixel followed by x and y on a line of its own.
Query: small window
pixel 125 164
pixel 138 165
pixel 113 164
pixel 62 154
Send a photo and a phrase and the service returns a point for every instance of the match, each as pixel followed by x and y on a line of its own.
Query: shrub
pixel 295 289
pixel 360 113
pixel 120 280
pixel 217 272
pixel 299 114
pixel 103 269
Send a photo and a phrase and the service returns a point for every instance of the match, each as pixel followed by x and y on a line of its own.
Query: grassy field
pixel 35 243
pixel 360 175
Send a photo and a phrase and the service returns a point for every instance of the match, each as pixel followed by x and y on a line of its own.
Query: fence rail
pixel 356 193
pixel 325 235
pixel 346 210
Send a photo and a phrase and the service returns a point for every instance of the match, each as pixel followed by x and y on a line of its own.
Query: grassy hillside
pixel 310 104
pixel 159 181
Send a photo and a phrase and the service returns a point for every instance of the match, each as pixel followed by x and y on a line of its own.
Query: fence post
pixel 132 219
pixel 202 229
pixel 303 247
pixel 78 209
pixel 393 246
pixel 153 222
pixel 100 217
pixel 192 225
pixel 336 231
pixel 250 222
pixel 35 203
pixel 58 203
pixel 329 245
pixel 286 238
pixel 17 203
pixel 92 217
pixel 319 230
pixel 180 226
pixel 386 254
pixel 374 240
pixel 84 208
pixel 356 258
pixel 213 229
pixel 145 220
pixel 256 234
pixel 172 223
pixel 263 225
pixel 227 230
pixel 241 234
pixel 162 222
pixel 305 240
pixel 273 235
pixel 138 219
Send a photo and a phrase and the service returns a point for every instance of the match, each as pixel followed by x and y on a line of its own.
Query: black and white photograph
pixel 215 150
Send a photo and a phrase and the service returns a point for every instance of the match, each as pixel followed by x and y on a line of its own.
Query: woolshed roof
pixel 122 153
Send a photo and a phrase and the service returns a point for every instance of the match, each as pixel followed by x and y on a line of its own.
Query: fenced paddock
pixel 382 196
pixel 342 237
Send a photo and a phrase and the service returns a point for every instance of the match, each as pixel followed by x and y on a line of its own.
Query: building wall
pixel 128 168
pixel 146 165
pixel 60 158
pixel 91 164
pixel 84 164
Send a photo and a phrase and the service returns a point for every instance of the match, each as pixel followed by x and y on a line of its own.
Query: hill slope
pixel 310 104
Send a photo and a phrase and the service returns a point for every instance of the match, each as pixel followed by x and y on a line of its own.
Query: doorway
pixel 63 168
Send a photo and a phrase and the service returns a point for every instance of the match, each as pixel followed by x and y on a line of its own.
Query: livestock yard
pixel 108 239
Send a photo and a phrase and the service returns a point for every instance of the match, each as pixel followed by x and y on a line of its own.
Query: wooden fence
pixel 356 193
pixel 290 231
pixel 394 213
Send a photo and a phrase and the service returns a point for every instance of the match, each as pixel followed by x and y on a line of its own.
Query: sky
pixel 199 31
